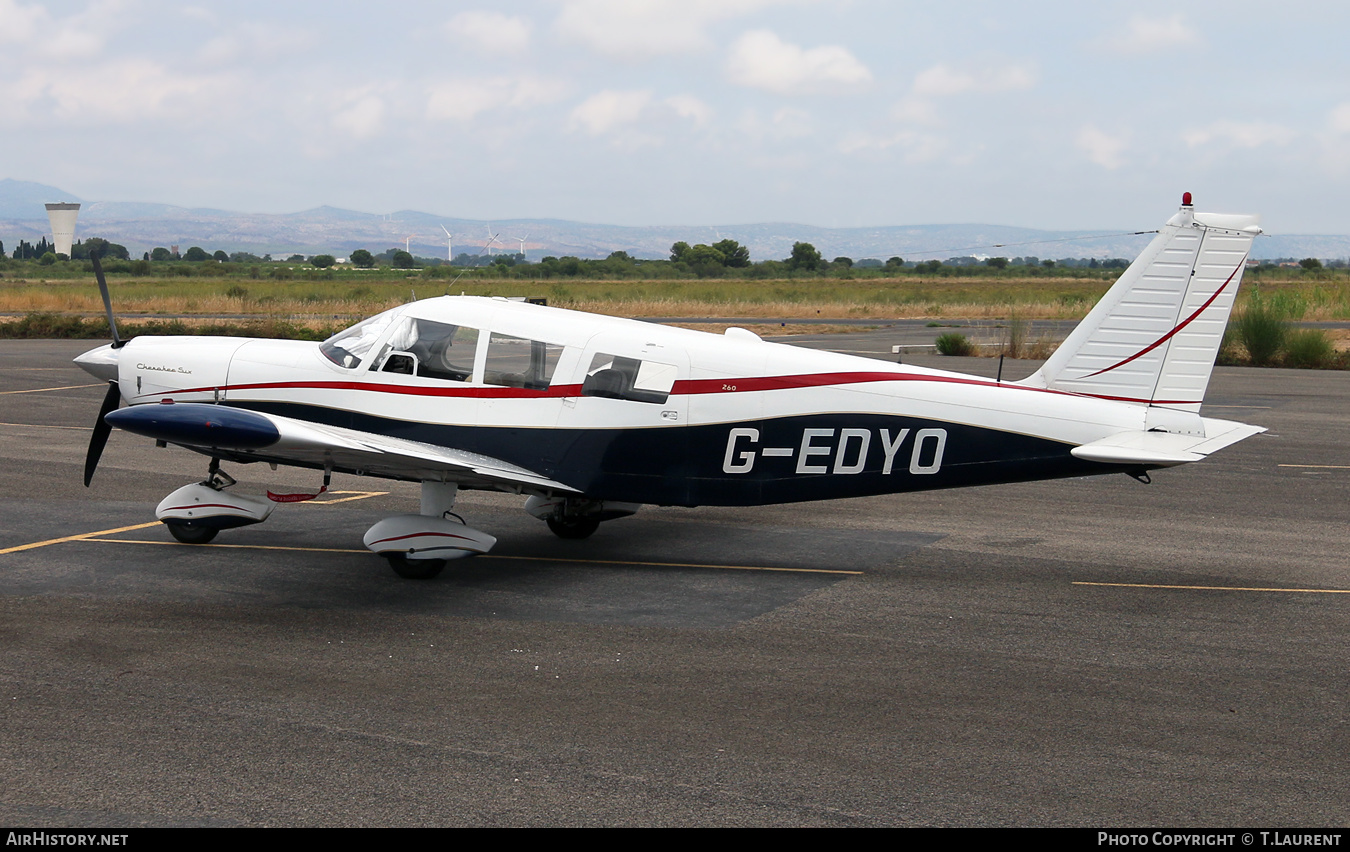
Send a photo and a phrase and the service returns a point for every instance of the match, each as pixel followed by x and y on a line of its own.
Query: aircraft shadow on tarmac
pixel 636 572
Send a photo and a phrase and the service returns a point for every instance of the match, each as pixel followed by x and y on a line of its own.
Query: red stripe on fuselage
pixel 683 387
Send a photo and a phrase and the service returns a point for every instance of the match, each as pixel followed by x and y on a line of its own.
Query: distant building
pixel 62 216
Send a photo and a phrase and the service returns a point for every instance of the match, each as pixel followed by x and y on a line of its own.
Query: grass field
pixel 341 297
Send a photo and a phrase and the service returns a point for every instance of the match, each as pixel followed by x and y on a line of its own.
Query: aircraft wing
pixel 244 435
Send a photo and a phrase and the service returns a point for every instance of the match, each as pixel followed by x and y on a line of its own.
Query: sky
pixel 1060 115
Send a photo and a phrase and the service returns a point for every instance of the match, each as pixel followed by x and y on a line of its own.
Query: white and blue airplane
pixel 590 417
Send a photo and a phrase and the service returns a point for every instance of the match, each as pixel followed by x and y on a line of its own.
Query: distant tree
pixel 47 259
pixel 846 262
pixel 161 253
pixel 706 255
pixel 1048 264
pixel 621 256
pixel 322 261
pixel 296 258
pixel 895 263
pixel 196 254
pixel 678 251
pixel 1310 263
pixel 146 257
pixel 733 253
pixel 997 262
pixel 220 256
pixel 804 256
pixel 929 266
pixel 402 260
pixel 243 257
pixel 363 259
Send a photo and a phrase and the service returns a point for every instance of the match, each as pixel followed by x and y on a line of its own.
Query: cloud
pixel 123 91
pixel 1101 148
pixel 363 115
pixel 19 24
pixel 761 60
pixel 1148 35
pixel 1338 120
pixel 35 31
pixel 623 29
pixel 608 110
pixel 916 147
pixel 911 110
pixel 945 81
pixel 1236 134
pixel 490 32
pixel 690 107
pixel 463 98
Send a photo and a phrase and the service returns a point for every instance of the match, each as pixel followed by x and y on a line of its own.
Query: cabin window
pixel 349 348
pixel 516 362
pixel 617 377
pixel 430 349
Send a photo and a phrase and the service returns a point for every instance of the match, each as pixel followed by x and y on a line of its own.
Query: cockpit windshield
pixel 348 348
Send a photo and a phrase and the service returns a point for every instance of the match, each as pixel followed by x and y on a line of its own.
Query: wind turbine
pixel 492 238
pixel 407 243
pixel 449 245
pixel 522 245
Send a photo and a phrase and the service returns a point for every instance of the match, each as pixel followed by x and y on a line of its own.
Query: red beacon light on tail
pixel 1185 199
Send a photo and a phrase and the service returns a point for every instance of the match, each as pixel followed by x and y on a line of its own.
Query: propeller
pixel 102 429
pixel 118 342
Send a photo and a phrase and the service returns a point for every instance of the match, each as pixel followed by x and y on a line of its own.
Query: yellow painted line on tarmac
pixel 1216 588
pixel 1319 466
pixel 554 559
pixel 675 565
pixel 80 537
pixel 43 426
pixel 92 536
pixel 64 387
pixel 360 495
pixel 213 546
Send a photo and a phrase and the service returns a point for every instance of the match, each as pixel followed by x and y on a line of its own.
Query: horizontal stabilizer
pixel 1165 449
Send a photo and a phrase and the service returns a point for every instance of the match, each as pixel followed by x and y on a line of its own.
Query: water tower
pixel 62 216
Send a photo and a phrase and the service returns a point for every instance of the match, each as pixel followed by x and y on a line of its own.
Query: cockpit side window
pixel 430 349
pixel 617 377
pixel 517 362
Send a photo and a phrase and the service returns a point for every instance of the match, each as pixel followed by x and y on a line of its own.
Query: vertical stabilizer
pixel 1153 337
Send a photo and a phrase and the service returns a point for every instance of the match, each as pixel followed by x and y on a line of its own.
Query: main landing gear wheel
pixel 574 528
pixel 414 569
pixel 189 533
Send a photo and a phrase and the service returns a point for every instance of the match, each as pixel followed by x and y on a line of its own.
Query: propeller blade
pixel 102 430
pixel 118 342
